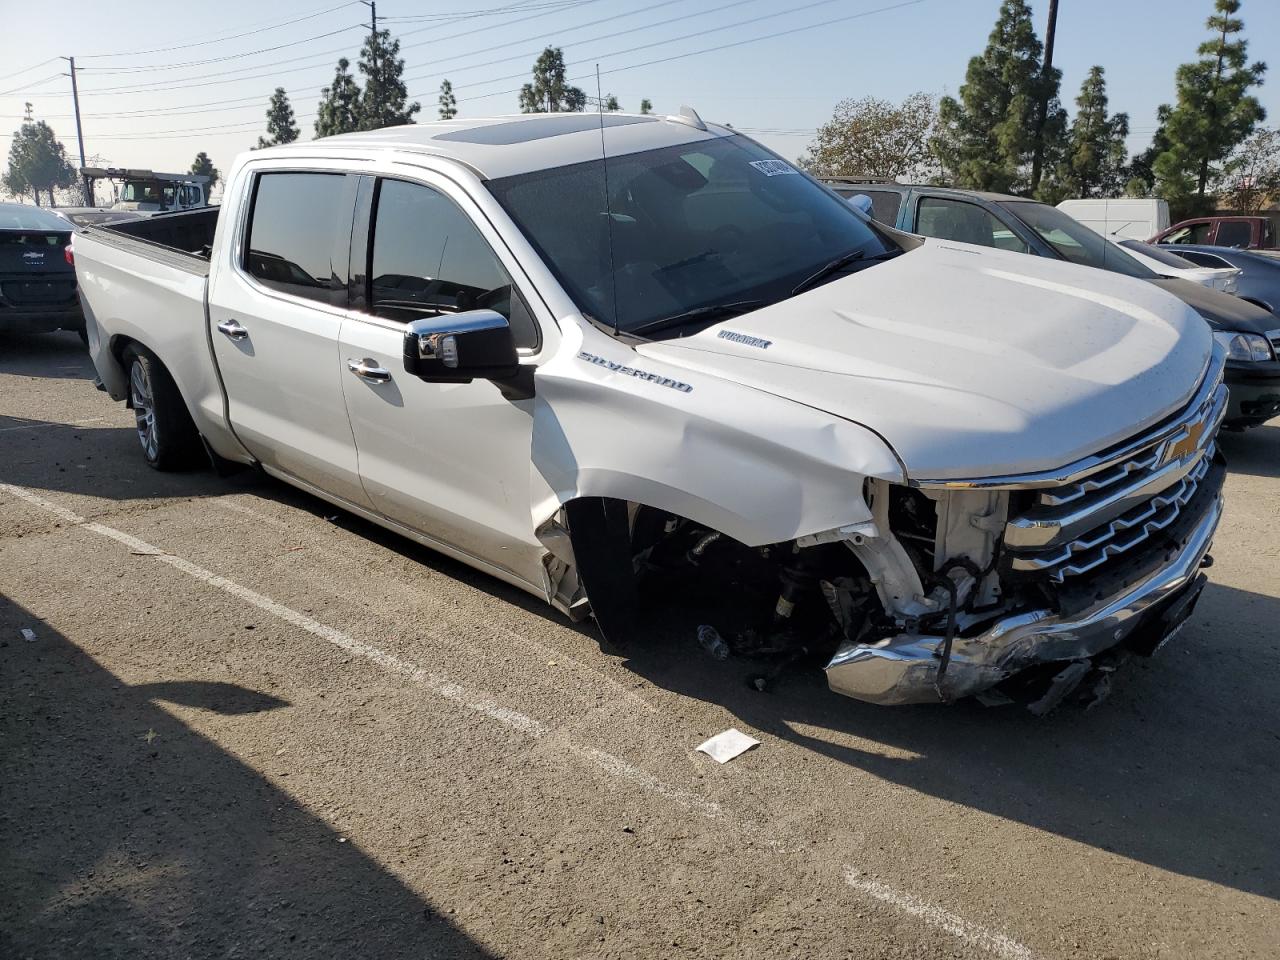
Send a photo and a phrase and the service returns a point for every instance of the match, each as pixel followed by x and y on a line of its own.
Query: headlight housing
pixel 1244 346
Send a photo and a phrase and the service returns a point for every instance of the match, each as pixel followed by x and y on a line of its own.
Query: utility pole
pixel 85 186
pixel 1042 108
pixel 373 41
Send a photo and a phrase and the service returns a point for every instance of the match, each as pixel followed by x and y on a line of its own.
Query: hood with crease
pixel 969 361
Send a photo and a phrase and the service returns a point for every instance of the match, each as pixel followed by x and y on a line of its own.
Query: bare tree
pixel 869 137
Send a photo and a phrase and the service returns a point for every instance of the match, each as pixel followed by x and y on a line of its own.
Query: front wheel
pixel 168 437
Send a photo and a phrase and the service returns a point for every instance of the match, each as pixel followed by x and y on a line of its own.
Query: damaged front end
pixel 1049 571
pixel 1011 586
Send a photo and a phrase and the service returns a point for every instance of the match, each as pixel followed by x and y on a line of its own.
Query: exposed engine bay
pixel 922 603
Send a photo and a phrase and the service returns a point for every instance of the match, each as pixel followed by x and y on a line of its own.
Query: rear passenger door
pixel 276 307
pixel 448 460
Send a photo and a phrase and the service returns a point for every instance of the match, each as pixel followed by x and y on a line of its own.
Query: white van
pixel 1129 217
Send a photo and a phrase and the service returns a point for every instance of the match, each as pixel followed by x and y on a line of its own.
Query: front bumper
pixel 1254 392
pixel 905 668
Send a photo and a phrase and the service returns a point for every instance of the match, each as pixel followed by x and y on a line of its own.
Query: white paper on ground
pixel 28 634
pixel 723 747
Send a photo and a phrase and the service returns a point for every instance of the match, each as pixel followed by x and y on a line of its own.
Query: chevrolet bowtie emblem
pixel 1183 446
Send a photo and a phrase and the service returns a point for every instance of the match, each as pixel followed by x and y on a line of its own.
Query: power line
pixel 208 78
pixel 33 83
pixel 230 56
pixel 28 69
pixel 607 36
pixel 656 43
pixel 715 49
pixel 206 42
pixel 459 14
pixel 166 134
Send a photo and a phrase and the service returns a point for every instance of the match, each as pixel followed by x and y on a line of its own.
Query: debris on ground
pixel 723 747
pixel 28 635
pixel 712 642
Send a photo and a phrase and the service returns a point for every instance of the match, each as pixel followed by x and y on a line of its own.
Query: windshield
pixel 1073 240
pixel 147 191
pixel 1157 254
pixel 708 224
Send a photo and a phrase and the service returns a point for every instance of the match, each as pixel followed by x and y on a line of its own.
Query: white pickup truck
pixel 942 467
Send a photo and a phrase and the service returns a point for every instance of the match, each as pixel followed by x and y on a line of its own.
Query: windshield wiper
pixel 839 263
pixel 713 311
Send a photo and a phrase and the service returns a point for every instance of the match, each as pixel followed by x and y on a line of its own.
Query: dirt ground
pixel 249 725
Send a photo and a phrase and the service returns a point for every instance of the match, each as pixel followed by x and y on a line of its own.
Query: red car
pixel 1251 233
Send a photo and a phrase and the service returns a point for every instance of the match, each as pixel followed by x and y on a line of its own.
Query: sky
pixel 183 83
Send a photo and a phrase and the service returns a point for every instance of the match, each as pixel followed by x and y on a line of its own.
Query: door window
pixel 884 205
pixel 1191 233
pixel 965 222
pixel 428 258
pixel 1234 233
pixel 295 221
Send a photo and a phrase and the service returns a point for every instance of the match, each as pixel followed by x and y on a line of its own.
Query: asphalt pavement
pixel 247 724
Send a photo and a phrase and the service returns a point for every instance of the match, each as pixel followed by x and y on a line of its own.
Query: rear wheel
pixel 168 437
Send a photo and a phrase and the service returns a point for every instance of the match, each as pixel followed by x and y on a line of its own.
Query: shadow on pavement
pixel 1254 452
pixel 58 356
pixel 125 834
pixel 97 460
pixel 1179 769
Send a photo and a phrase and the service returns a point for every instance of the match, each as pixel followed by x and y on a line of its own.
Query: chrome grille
pixel 1274 337
pixel 1078 525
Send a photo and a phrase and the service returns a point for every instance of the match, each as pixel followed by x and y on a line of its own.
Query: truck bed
pixel 181 240
pixel 144 281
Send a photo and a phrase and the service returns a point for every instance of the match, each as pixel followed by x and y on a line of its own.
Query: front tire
pixel 166 433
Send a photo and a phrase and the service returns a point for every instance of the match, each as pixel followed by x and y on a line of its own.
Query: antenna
pixel 608 212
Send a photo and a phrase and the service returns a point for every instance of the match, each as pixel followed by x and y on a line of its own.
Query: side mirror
pixel 461 347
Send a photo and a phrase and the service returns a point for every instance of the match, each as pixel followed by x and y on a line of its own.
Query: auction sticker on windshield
pixel 774 168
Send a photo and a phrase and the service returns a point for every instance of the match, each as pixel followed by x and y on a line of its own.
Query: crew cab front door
pixel 276 308
pixel 450 461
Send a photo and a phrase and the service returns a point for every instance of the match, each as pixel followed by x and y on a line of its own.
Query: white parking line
pixel 50 423
pixel 935 916
pixel 931 914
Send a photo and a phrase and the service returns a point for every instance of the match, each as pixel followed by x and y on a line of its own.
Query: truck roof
pixel 503 146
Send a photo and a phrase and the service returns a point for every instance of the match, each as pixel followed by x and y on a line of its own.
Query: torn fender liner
pixel 600 534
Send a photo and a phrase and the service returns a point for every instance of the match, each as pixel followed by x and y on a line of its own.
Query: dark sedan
pixel 1247 332
pixel 1259 280
pixel 37 281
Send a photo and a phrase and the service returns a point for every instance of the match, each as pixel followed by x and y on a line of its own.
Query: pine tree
pixel 37 161
pixel 203 166
pixel 611 103
pixel 280 125
pixel 987 137
pixel 1094 165
pixel 1214 112
pixel 448 103
pixel 383 102
pixel 1142 174
pixel 339 109
pixel 549 93
pixel 646 105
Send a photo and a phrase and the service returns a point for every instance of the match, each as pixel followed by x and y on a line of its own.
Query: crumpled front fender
pixel 756 467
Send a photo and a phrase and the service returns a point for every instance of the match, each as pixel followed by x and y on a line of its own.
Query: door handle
pixel 369 370
pixel 232 329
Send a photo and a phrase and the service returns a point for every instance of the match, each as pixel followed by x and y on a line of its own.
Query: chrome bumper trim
pixel 904 668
